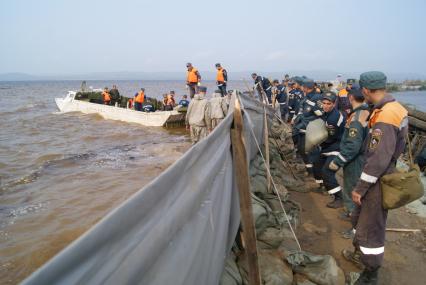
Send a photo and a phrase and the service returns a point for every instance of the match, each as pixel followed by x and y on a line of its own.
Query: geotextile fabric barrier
pixel 179 229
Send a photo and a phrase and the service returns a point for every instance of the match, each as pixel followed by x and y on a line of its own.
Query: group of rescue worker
pixel 366 130
pixel 140 102
pixel 203 115
pixel 193 79
pixel 112 96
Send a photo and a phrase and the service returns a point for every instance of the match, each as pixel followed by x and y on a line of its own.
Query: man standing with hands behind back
pixel 221 79
pixel 193 79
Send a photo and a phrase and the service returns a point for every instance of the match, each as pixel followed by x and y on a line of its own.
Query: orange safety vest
pixel 140 98
pixel 192 77
pixel 391 113
pixel 343 93
pixel 106 96
pixel 170 100
pixel 219 76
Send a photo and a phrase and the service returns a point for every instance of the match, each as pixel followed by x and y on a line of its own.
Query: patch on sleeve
pixel 353 132
pixel 331 130
pixel 376 136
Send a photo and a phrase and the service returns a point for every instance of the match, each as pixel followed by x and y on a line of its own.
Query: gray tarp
pixel 178 229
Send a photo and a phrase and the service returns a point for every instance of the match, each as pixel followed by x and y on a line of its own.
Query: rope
pixel 273 184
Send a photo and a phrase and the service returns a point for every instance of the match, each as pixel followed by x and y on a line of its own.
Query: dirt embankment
pixel 405 253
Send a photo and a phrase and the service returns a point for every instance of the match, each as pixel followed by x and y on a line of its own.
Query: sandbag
pixel 401 187
pixel 320 269
pixel 262 214
pixel 231 275
pixel 273 270
pixel 316 133
pixel 181 109
pixel 272 238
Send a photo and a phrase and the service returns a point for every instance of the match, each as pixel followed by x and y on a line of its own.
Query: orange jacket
pixel 140 98
pixel 170 100
pixel 106 96
pixel 343 93
pixel 191 76
pixel 220 77
pixel 392 113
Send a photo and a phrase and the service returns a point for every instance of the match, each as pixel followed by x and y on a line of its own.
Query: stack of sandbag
pixel 285 168
pixel 281 135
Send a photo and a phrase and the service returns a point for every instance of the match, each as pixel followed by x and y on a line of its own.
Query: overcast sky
pixel 79 36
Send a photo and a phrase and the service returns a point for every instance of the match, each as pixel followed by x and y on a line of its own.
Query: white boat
pixel 154 119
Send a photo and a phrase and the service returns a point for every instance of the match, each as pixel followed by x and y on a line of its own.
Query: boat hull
pixel 153 119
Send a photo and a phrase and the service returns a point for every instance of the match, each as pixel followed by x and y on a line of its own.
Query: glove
pixel 333 166
pixel 199 83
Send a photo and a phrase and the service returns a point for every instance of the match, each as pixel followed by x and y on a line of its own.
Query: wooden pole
pixel 403 230
pixel 243 184
pixel 265 135
pixel 266 143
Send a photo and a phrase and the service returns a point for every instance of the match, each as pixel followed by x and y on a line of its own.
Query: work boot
pixel 349 234
pixel 368 277
pixel 336 203
pixel 345 216
pixel 353 256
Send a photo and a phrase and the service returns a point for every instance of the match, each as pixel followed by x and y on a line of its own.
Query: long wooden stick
pixel 266 143
pixel 403 230
pixel 243 184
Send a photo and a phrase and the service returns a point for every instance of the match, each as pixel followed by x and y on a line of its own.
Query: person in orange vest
pixel 221 79
pixel 106 96
pixel 164 101
pixel 170 101
pixel 193 79
pixel 139 99
pixel 342 102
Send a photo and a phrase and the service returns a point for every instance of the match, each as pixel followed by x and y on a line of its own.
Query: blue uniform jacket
pixel 335 124
pixel 353 137
pixel 282 94
pixel 295 96
pixel 184 103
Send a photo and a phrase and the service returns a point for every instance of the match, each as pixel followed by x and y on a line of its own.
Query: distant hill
pixel 16 76
pixel 206 75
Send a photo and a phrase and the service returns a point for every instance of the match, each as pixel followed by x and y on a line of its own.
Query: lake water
pixel 415 98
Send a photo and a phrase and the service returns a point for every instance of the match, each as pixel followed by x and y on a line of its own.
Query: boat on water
pixel 88 103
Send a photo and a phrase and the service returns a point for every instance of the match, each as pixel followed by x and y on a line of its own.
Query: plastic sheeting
pixel 178 229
